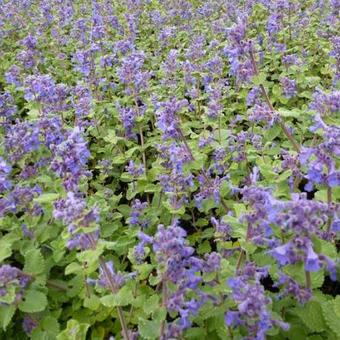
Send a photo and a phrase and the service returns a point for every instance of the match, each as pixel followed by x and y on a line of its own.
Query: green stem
pixel 113 289
pixel 329 201
pixel 56 285
pixel 308 280
pixel 239 260
pixel 164 302
pixel 219 128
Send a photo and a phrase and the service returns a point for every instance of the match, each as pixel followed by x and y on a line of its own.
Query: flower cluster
pixel 12 284
pixel 70 158
pixel 238 50
pixel 153 151
pixel 288 87
pixel 137 209
pixel 7 107
pixel 176 265
pixel 5 170
pixel 251 303
pixel 168 119
pixel 72 211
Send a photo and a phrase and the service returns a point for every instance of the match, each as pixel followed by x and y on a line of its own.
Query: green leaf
pixel 290 113
pixel 152 303
pixel 266 169
pixel 195 333
pixel 47 198
pixel 6 314
pixel 149 329
pixel 310 314
pixel 259 79
pixel 5 250
pixel 74 331
pixel 239 230
pixel 144 270
pixel 92 302
pixel 10 295
pixel 331 317
pixel 50 325
pixel 72 268
pixel 297 272
pixel 272 133
pixel 336 305
pixel 124 297
pixel 240 209
pixel 34 301
pixel 34 262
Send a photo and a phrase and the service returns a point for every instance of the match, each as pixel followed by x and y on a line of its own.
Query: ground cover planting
pixel 169 169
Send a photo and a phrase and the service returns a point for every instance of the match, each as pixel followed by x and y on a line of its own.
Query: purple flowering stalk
pixel 168 122
pixel 251 303
pixel 324 104
pixel 303 218
pixel 178 269
pixel 136 80
pixel 211 186
pixel 270 106
pixel 72 211
pixel 70 158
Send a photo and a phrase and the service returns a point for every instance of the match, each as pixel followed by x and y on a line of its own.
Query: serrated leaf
pixel 297 272
pixel 336 305
pixel 331 318
pixel 74 331
pixel 34 262
pixel 92 302
pixel 310 315
pixel 259 79
pixel 73 267
pixel 195 333
pixel 272 133
pixel 152 303
pixel 149 329
pixel 290 113
pixel 124 297
pixel 9 297
pixel 239 230
pixel 239 208
pixel 47 198
pixel 33 302
pixel 144 270
pixel 6 314
pixel 50 325
pixel 5 251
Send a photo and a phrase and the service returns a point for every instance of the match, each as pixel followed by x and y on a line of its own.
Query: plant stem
pixel 141 138
pixel 219 128
pixel 329 201
pixel 164 301
pixel 142 145
pixel 56 285
pixel 308 279
pixel 271 108
pixel 230 331
pixel 113 289
pixel 239 260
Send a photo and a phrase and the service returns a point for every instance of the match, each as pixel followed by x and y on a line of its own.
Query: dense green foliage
pixel 169 169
